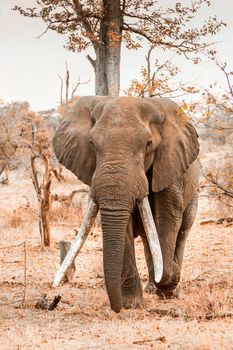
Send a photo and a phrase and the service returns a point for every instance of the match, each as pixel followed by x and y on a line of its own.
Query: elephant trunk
pixel 114 224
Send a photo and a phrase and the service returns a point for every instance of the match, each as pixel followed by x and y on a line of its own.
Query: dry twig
pixel 179 314
pixel 162 339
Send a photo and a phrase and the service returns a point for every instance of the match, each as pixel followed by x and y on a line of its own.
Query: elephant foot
pixel 132 302
pixel 169 294
pixel 150 288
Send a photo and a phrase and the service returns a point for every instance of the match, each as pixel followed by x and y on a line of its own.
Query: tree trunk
pixel 45 223
pixel 46 202
pixel 108 51
pixel 44 198
pixel 101 83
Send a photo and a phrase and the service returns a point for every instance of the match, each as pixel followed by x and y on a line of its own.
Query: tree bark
pixel 113 47
pixel 46 203
pixel 44 198
pixel 108 50
pixel 101 83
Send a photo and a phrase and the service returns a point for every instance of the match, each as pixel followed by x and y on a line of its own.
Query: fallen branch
pixel 206 222
pixel 205 273
pixel 54 303
pixel 201 275
pixel 12 246
pixel 179 314
pixel 11 303
pixel 43 303
pixel 162 339
pixel 220 221
pixel 67 198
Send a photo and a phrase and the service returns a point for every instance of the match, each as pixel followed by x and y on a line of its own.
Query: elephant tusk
pixel 152 237
pixel 87 224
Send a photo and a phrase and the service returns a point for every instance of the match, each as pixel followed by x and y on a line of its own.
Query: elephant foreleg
pixel 131 289
pixel 187 222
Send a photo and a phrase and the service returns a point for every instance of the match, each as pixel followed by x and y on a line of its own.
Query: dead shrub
pixel 207 300
pixel 15 219
pixel 68 214
pixel 211 299
pixel 216 182
pixel 20 217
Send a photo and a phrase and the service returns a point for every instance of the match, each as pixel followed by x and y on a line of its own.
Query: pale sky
pixel 29 67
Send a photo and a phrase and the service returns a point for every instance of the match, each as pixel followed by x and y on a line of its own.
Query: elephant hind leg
pixel 167 287
pixel 187 222
pixel 152 287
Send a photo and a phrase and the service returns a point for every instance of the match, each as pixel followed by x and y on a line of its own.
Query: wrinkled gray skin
pixel 126 148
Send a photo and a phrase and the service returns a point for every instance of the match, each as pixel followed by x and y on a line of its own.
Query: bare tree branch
pixel 77 85
pixel 67 80
pixel 85 22
pixel 92 61
pixel 209 178
pixel 61 90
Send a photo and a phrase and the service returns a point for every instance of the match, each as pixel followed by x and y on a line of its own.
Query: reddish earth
pixel 200 319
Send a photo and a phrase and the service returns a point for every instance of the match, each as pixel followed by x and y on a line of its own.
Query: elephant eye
pixel 91 142
pixel 149 144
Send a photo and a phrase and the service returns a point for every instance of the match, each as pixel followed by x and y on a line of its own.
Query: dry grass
pixel 211 299
pixel 83 319
pixel 217 165
pixel 66 213
pixel 202 300
pixel 15 219
pixel 71 216
pixel 20 217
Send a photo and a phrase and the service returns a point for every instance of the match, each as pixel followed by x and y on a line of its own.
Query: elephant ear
pixel 179 145
pixel 71 141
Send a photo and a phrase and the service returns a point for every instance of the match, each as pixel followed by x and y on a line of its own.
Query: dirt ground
pixel 200 319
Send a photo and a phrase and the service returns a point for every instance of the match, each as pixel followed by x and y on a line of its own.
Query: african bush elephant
pixel 126 149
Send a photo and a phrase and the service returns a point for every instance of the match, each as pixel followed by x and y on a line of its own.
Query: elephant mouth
pixel 87 224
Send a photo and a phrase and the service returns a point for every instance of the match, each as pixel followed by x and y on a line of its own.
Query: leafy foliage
pixel 215 125
pixel 168 27
pixel 25 140
pixel 106 24
pixel 154 82
pixel 16 135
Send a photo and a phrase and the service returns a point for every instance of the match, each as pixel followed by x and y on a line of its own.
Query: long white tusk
pixel 88 221
pixel 152 237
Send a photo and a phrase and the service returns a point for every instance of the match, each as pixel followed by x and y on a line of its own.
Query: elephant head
pixel 110 143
